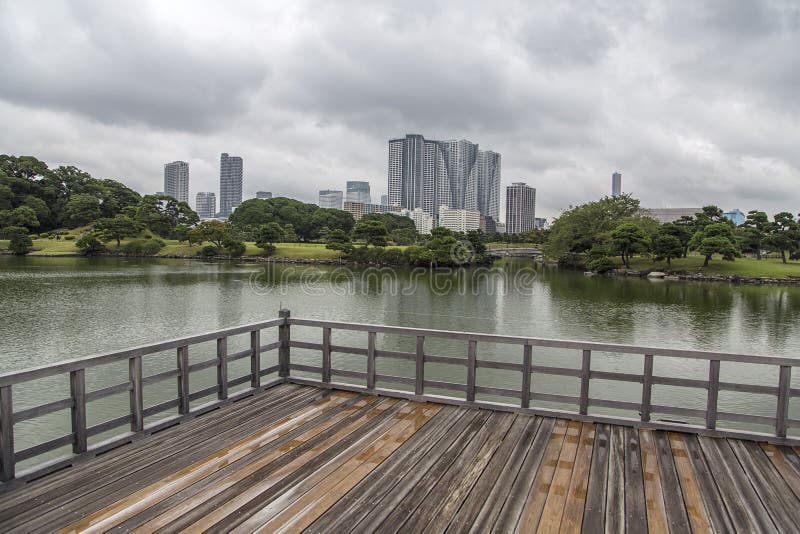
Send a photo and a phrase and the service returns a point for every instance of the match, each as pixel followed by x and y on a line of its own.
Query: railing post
pixel 527 362
pixel 585 371
pixel 255 358
pixel 183 380
pixel 7 433
pixel 419 377
pixel 136 393
pixel 222 368
pixel 782 413
pixel 77 387
pixel 713 394
pixel 647 387
pixel 371 360
pixel 283 352
pixel 326 354
pixel 472 362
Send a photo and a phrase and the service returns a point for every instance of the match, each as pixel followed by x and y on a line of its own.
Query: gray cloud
pixel 695 102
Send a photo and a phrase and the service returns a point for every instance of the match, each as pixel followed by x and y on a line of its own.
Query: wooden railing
pixel 524 399
pixel 133 383
pixel 416 387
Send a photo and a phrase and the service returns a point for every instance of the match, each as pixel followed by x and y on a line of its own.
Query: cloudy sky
pixel 694 102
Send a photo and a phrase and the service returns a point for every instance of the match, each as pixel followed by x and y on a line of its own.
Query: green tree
pixel 90 243
pixel 24 216
pixel 628 239
pixel 162 214
pixel 784 234
pixel 372 232
pixel 339 240
pixel 19 242
pixel 755 232
pixel 715 238
pixel 667 246
pixel 215 232
pixel 181 232
pixel 403 236
pixel 267 235
pixel 81 209
pixel 117 228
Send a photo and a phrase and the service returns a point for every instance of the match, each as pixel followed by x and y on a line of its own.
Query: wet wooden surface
pixel 297 459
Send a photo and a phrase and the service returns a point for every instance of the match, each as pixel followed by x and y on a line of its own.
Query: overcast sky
pixel 694 102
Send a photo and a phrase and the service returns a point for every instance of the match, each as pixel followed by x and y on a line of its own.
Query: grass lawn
pixel 770 268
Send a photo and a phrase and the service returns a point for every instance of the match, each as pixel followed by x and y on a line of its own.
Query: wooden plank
pixel 284 337
pixel 371 336
pixel 647 387
pixel 787 464
pixel 136 395
pixel 741 501
pixel 594 514
pixel 183 380
pixel 782 410
pixel 527 361
pixel 524 514
pixel 695 508
pixel 586 369
pixel 326 354
pixel 419 377
pixel 578 486
pixel 77 387
pixel 635 508
pixel 478 496
pixel 472 356
pixel 615 494
pixel 553 510
pixel 774 493
pixel 407 462
pixel 507 497
pixel 709 491
pixel 713 394
pixel 677 517
pixel 255 358
pixel 6 434
pixel 222 368
pixel 653 494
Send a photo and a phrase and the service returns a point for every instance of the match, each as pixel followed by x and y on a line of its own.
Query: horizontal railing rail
pixel 133 383
pixel 524 397
pixel 417 386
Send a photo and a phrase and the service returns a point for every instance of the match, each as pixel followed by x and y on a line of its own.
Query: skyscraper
pixel 176 180
pixel 358 192
pixel 616 184
pixel 384 200
pixel 520 208
pixel 263 194
pixel 428 174
pixel 330 198
pixel 205 205
pixel 230 183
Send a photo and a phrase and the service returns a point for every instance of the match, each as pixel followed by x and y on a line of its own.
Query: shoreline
pixel 700 277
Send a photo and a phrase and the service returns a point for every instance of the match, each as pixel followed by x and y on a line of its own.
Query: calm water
pixel 58 308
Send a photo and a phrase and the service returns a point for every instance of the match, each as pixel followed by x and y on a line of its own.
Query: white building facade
pixel 422 221
pixel 520 208
pixel 176 180
pixel 459 220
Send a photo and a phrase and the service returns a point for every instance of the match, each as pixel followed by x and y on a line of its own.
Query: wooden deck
pixel 297 458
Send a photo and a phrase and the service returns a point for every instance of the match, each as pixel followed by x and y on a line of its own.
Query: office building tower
pixel 500 228
pixel 263 194
pixel 329 198
pixel 422 221
pixel 428 174
pixel 205 205
pixel 230 184
pixel 358 192
pixel 616 184
pixel 520 208
pixel 176 180
pixel 359 209
pixel 459 220
pixel 540 223
pixel 384 200
pixel 736 216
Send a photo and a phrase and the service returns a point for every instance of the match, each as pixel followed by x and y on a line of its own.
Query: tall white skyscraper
pixel 616 184
pixel 428 174
pixel 230 183
pixel 329 198
pixel 205 205
pixel 176 180
pixel 520 208
pixel 358 192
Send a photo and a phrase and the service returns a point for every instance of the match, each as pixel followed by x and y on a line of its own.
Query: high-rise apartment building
pixel 428 174
pixel 359 209
pixel 422 221
pixel 358 192
pixel 230 183
pixel 520 208
pixel 205 205
pixel 384 200
pixel 616 184
pixel 329 198
pixel 263 194
pixel 176 180
pixel 459 220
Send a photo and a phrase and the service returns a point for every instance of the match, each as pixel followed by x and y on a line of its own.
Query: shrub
pixel 142 247
pixel 233 247
pixel 69 238
pixel 269 249
pixel 601 264
pixel 90 243
pixel 19 242
pixel 209 251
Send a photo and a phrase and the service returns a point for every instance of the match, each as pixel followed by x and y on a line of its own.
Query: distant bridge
pixel 526 252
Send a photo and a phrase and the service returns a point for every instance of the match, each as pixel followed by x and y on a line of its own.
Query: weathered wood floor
pixel 298 458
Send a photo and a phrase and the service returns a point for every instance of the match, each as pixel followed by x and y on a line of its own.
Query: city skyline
pixel 690 113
